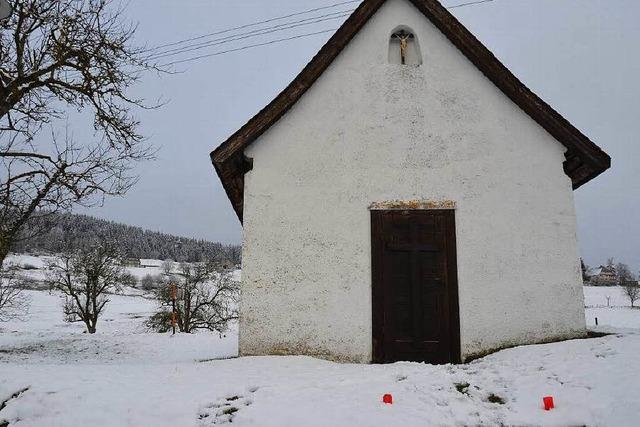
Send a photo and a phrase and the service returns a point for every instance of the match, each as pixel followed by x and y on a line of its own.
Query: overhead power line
pixel 471 3
pixel 250 34
pixel 248 47
pixel 263 31
pixel 241 27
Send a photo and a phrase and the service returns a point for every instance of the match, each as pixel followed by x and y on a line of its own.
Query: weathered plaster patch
pixel 414 204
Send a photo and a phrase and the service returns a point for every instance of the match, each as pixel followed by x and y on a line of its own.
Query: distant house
pixel 131 262
pixel 147 263
pixel 604 276
pixel 399 196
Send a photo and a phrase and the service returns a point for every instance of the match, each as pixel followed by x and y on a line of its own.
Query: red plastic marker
pixel 548 403
pixel 388 399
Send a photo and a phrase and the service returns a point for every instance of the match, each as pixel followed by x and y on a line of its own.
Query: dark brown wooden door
pixel 415 292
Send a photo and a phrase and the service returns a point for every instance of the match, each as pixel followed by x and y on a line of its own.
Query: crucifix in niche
pixel 404 38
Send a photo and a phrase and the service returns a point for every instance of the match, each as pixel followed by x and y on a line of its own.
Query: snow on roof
pixel 151 262
pixel 604 269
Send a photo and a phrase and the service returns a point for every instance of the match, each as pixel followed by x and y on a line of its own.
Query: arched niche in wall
pixel 404 48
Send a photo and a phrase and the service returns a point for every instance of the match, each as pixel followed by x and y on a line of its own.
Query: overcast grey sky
pixel 581 56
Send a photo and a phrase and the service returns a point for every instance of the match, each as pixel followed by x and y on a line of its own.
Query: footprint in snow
pixel 606 353
pixel 224 410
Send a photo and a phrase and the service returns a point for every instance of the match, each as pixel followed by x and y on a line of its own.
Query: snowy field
pixel 618 314
pixel 127 376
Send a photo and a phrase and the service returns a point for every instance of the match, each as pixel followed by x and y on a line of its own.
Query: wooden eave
pixel 584 159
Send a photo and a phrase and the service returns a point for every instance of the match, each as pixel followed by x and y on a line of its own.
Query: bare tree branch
pixel 57 55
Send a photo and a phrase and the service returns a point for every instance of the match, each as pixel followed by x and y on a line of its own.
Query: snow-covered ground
pixel 127 376
pixel 618 313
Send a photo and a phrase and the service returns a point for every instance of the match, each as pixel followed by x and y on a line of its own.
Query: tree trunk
pixel 94 322
pixel 4 251
pixel 91 325
pixel 5 107
pixel 6 238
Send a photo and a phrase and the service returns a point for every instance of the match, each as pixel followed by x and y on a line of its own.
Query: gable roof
pixel 584 159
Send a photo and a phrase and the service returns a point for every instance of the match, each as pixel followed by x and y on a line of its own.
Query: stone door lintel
pixel 415 204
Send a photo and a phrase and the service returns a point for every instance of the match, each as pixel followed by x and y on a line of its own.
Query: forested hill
pixel 71 231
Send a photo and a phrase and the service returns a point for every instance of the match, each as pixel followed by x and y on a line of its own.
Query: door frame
pixel 377 283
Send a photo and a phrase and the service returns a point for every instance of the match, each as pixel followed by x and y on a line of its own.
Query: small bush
pixel 128 279
pixel 149 282
pixel 29 267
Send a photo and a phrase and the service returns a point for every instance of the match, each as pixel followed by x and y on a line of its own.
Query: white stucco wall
pixel 369 131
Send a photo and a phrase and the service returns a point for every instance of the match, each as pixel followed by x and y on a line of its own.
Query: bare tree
pixel 85 277
pixel 149 282
pixel 167 267
pixel 632 290
pixel 57 55
pixel 624 273
pixel 13 302
pixel 206 299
